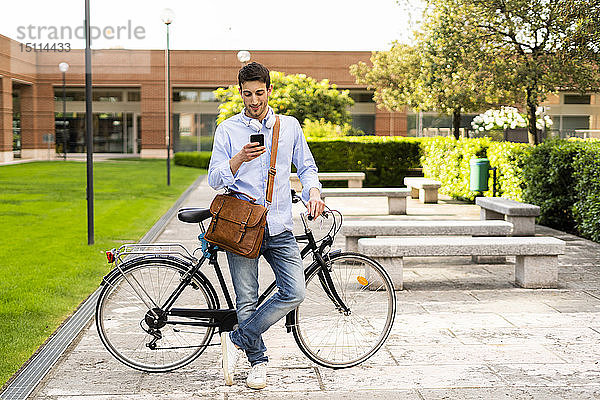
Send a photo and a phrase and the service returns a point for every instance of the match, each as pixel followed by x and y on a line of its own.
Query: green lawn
pixel 46 266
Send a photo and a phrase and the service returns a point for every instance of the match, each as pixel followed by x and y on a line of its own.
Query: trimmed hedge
pixel 385 160
pixel 550 179
pixel 586 210
pixel 509 159
pixel 561 176
pixel 447 160
pixel 197 159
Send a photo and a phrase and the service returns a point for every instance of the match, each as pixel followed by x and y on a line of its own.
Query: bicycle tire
pixel 120 314
pixel 327 335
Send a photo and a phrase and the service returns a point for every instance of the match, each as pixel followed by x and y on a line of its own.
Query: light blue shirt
pixel 251 178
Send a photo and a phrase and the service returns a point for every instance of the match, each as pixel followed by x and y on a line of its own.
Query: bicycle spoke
pixel 120 328
pixel 341 339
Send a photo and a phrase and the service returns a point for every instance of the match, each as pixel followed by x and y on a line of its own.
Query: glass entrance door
pixel 113 132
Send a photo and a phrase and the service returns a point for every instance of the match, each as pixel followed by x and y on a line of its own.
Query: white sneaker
pixel 257 377
pixel 231 355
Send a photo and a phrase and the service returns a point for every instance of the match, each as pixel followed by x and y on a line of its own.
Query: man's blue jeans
pixel 282 253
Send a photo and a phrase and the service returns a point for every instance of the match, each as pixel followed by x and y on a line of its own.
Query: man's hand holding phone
pixel 249 152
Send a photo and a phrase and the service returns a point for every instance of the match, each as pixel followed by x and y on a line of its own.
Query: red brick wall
pixel 145 69
pixel 6 136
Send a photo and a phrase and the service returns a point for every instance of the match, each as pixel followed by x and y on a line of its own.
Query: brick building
pixel 129 99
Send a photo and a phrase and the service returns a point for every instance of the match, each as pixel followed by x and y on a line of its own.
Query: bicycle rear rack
pixel 139 250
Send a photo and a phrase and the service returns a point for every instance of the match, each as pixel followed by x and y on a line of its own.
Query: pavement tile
pixel 330 395
pixel 512 393
pixel 581 319
pixel 551 336
pixel 409 377
pixel 549 375
pixel 585 353
pixel 473 354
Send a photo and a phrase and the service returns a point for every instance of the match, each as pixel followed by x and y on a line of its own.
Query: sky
pixel 329 25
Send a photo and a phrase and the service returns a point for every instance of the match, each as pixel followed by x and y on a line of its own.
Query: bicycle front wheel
pixel 335 338
pixel 124 315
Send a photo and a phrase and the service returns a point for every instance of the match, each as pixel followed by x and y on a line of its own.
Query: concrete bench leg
pixel 489 214
pixel 536 272
pixel 428 195
pixel 393 266
pixel 414 193
pixel 397 205
pixel 522 226
pixel 352 242
pixel 354 183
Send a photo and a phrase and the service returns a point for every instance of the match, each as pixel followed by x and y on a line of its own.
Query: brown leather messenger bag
pixel 238 225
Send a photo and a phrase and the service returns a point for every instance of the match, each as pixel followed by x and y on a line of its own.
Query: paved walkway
pixel 462 331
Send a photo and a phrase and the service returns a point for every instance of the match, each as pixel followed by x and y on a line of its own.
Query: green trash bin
pixel 480 174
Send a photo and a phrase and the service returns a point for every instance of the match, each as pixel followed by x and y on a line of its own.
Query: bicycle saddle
pixel 193 215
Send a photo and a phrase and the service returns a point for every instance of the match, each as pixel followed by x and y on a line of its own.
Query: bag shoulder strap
pixel 272 169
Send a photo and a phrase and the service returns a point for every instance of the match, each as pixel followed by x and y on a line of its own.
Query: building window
pixel 133 96
pixel 194 131
pixel 365 123
pixel 573 123
pixel 98 94
pixel 193 96
pixel 70 94
pixel 361 96
pixel 110 96
pixel 577 99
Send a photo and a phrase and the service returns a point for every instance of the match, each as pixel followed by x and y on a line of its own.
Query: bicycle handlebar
pixel 296 198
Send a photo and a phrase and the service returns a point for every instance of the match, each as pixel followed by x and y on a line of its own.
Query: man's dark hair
pixel 254 72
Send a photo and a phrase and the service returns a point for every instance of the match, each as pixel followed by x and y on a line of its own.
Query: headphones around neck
pixel 257 125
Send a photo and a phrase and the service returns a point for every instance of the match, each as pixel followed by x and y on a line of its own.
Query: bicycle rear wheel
pixel 125 322
pixel 336 339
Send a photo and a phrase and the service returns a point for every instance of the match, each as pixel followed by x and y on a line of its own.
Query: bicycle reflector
pixel 110 256
pixel 362 280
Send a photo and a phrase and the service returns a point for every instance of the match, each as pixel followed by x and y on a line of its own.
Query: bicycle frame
pixel 226 319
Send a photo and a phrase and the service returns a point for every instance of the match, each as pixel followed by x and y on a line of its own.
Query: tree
pixel 540 46
pixel 444 71
pixel 297 95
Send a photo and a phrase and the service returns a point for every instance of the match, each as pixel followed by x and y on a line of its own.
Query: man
pixel 243 167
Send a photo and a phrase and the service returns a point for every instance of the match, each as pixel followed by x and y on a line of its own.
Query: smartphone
pixel 258 137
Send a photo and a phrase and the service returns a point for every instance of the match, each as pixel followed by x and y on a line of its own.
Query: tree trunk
pixel 456 123
pixel 532 103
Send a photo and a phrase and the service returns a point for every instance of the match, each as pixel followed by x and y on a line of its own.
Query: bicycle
pixel 157 311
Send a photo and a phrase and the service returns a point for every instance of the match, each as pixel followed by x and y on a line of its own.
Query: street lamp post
pixel 167 17
pixel 64 67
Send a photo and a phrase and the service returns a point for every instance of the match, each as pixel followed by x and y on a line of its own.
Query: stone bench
pixel 354 230
pixel 396 196
pixel 424 189
pixel 355 179
pixel 536 257
pixel 521 215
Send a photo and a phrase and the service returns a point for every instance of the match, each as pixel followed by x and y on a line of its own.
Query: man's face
pixel 255 95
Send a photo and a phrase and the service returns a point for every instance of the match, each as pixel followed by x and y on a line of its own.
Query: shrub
pixel 508 158
pixel 384 159
pixel 447 160
pixel 326 129
pixel 586 209
pixel 197 159
pixel 298 95
pixel 191 143
pixel 548 172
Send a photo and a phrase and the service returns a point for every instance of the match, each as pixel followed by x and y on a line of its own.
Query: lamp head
pixel 243 56
pixel 63 67
pixel 167 16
